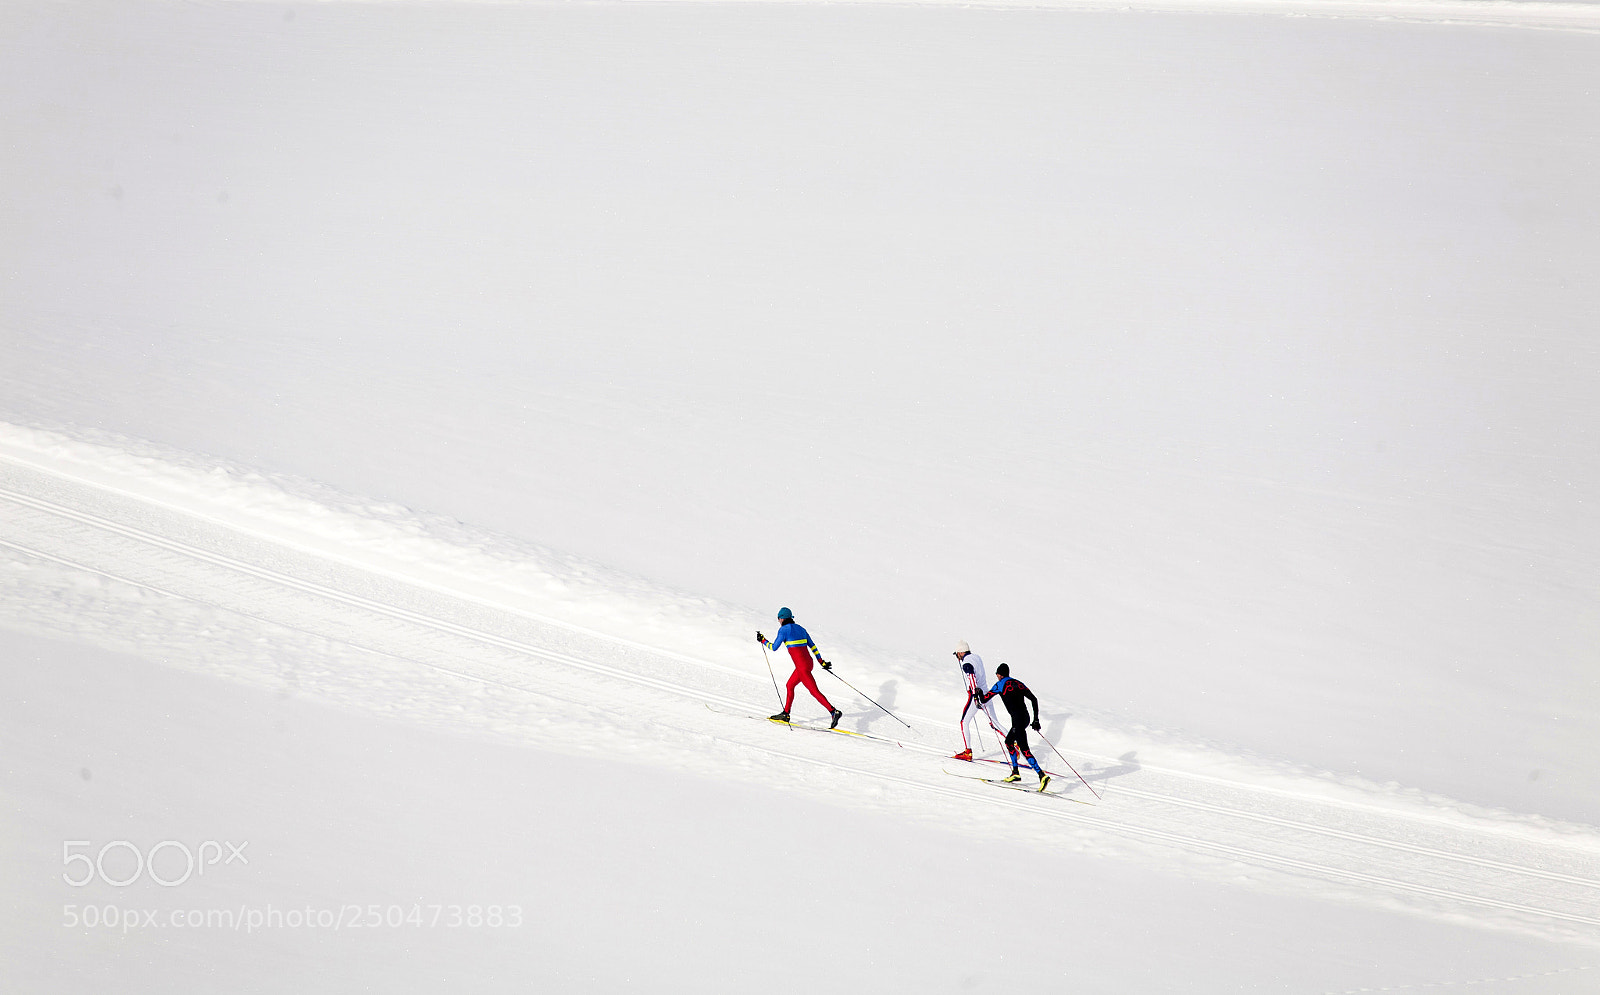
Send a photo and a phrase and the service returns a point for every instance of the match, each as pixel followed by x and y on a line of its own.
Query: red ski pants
pixel 802 675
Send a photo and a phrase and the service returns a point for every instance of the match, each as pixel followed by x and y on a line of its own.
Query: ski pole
pixel 982 714
pixel 1069 766
pixel 885 711
pixel 999 737
pixel 770 672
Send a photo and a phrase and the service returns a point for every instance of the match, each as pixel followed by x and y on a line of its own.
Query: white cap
pixel 962 647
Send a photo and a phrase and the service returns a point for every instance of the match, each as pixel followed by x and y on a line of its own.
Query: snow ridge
pixel 379 610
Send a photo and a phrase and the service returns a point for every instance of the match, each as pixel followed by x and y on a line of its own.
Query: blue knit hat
pixel 785 614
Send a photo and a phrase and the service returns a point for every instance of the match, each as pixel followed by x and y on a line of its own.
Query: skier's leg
pixel 802 673
pixel 1022 744
pixel 966 745
pixel 810 682
pixel 788 702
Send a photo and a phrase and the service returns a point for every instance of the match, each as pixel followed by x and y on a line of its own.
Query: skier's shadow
pixel 1128 763
pixel 886 695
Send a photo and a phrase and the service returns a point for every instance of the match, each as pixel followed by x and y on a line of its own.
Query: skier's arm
pixel 817 653
pixel 1029 695
pixel 779 639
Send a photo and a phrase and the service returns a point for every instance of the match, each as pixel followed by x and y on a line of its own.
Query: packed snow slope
pixel 627 877
pixel 1235 375
pixel 408 411
pixel 645 820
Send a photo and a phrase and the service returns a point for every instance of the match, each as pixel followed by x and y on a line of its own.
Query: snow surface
pixel 631 877
pixel 1232 375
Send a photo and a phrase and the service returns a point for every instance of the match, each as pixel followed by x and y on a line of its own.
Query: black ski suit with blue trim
pixel 1013 694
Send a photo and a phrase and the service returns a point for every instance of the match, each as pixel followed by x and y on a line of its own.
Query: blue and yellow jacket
pixel 790 635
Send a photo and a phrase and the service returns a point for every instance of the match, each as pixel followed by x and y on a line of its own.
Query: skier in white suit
pixel 973 673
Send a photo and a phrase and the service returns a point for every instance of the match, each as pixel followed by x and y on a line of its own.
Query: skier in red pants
pixel 798 642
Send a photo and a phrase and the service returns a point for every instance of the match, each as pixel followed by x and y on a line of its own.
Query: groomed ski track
pixel 83 555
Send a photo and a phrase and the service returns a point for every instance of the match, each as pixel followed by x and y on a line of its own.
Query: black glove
pixel 760 638
pixel 825 664
pixel 1035 726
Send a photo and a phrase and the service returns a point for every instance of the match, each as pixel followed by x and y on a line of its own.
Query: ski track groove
pixel 1160 836
pixel 1360 838
pixel 1093 820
